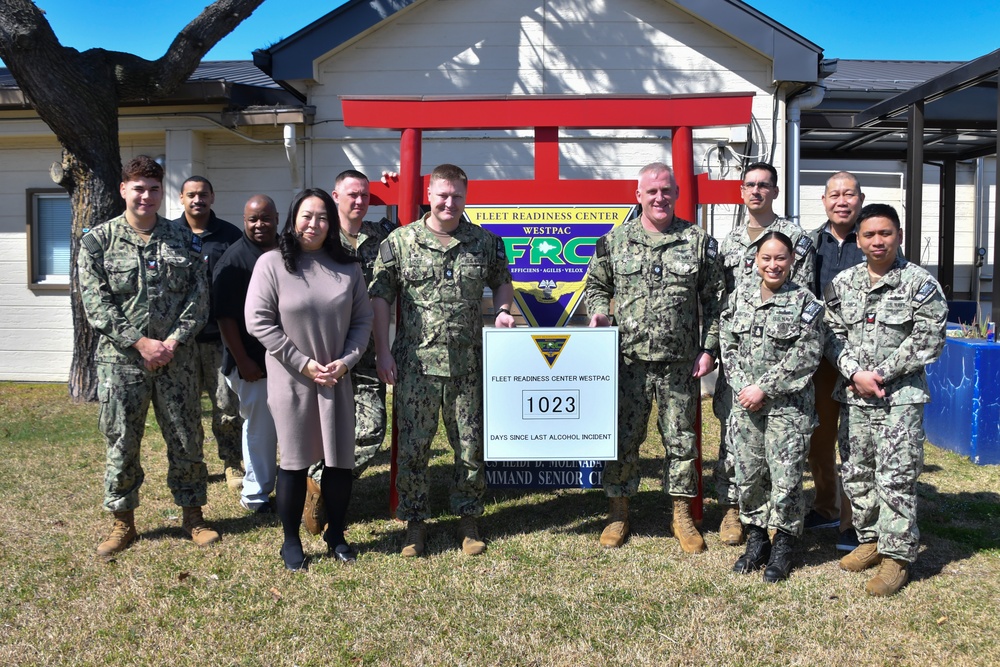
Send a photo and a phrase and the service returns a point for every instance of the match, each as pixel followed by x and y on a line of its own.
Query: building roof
pixel 865 112
pixel 232 83
pixel 794 57
pixel 885 75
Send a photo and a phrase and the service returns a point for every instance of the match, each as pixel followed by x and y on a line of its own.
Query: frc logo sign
pixel 548 248
pixel 550 347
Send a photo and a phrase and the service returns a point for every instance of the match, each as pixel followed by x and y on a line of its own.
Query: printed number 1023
pixel 550 404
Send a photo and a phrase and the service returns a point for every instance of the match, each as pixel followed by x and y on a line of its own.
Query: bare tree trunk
pixel 93 196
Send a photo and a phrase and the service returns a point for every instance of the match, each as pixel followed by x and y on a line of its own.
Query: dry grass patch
pixel 544 593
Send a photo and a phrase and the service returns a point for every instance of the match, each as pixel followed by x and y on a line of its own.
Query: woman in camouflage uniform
pixel 771 342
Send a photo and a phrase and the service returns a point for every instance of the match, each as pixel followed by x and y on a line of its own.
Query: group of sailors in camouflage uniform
pixel 682 302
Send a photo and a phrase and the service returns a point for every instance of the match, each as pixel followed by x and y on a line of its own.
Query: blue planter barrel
pixel 964 412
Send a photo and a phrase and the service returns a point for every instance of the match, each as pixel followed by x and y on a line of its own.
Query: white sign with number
pixel 550 394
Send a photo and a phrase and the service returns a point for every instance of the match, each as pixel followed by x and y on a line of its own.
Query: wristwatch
pixel 502 310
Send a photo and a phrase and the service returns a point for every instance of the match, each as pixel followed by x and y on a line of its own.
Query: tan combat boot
pixel 731 528
pixel 194 525
pixel 684 529
pixel 616 532
pixel 891 576
pixel 416 535
pixel 314 511
pixel 468 535
pixel 234 476
pixel 863 557
pixel 122 534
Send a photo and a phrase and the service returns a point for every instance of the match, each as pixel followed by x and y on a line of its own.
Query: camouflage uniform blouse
pixel 370 237
pixel 131 289
pixel 894 328
pixel 658 286
pixel 441 290
pixel 774 344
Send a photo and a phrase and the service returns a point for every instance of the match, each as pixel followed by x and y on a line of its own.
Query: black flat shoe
pixel 343 552
pixel 294 563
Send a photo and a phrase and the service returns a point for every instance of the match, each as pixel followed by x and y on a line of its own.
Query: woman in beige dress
pixel 308 306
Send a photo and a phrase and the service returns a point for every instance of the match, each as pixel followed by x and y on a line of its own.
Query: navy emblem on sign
pixel 550 347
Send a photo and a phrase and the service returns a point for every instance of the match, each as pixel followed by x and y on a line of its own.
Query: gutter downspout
pixel 793 141
pixel 291 154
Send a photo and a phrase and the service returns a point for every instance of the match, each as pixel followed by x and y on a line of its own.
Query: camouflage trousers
pixel 770 449
pixel 125 393
pixel 227 424
pixel 676 394
pixel 882 454
pixel 418 399
pixel 725 467
pixel 369 421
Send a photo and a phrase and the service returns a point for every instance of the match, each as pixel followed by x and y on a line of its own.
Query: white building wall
pixel 36 328
pixel 536 47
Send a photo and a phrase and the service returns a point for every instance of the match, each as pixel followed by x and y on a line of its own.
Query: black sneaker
pixel 814 520
pixel 848 540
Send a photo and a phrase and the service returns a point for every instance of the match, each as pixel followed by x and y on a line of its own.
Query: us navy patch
pixel 196 243
pixel 91 243
pixel 811 311
pixel 802 247
pixel 601 249
pixel 386 253
pixel 830 295
pixel 712 249
pixel 925 291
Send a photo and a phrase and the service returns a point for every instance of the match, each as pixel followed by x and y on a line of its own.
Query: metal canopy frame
pixel 946 119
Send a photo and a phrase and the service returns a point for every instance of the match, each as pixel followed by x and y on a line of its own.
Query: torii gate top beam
pixel 565 111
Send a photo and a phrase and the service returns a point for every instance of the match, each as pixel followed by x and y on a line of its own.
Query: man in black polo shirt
pixel 836 249
pixel 243 357
pixel 197 197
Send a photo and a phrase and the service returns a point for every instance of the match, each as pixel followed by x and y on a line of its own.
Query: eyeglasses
pixel 762 185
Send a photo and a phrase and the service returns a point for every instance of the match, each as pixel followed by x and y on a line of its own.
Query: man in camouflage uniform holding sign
pixel 738 250
pixel 659 269
pixel 145 292
pixel 887 322
pixel 439 266
pixel 362 238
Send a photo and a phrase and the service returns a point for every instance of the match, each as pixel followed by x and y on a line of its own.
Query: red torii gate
pixel 411 116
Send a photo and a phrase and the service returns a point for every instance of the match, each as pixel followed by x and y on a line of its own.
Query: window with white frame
pixel 50 223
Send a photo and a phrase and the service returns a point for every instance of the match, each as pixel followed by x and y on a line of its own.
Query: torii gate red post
pixel 680 114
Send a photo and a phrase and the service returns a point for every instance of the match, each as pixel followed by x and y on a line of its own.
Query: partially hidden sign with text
pixel 548 248
pixel 550 394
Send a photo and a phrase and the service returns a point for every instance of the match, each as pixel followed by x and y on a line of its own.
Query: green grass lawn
pixel 544 593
